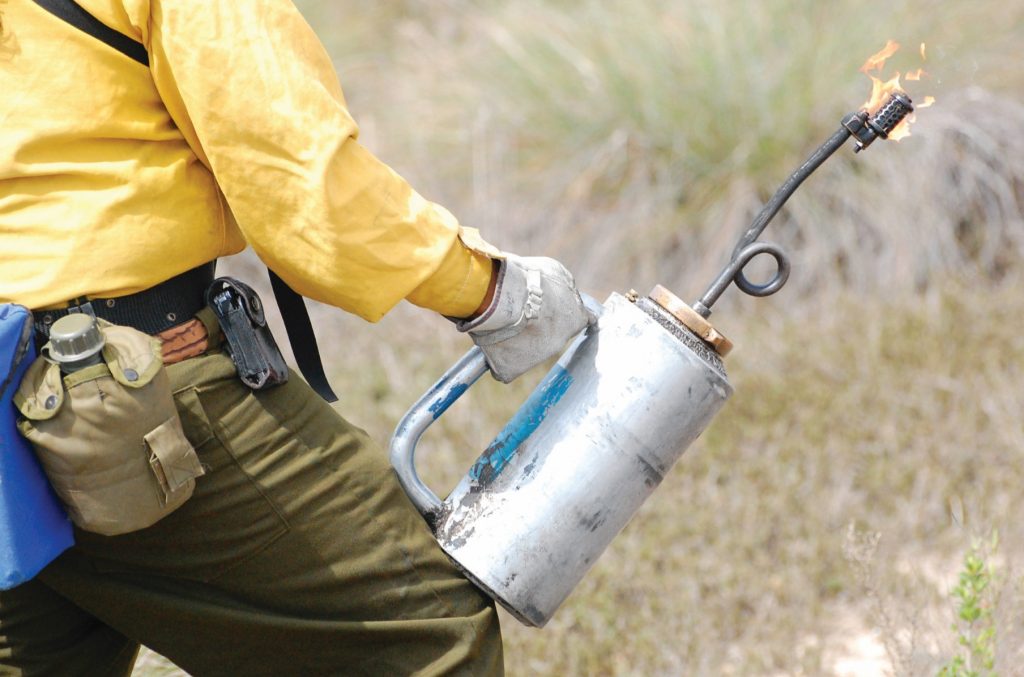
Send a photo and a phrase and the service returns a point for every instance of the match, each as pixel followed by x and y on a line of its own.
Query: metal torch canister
pixel 590 444
pixel 598 434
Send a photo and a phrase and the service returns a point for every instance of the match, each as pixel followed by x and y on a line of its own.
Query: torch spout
pixel 864 128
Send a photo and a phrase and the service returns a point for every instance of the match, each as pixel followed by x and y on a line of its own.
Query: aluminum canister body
pixel 591 443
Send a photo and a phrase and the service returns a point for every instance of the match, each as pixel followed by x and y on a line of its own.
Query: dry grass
pixel 635 140
pixel 736 563
pixel 876 426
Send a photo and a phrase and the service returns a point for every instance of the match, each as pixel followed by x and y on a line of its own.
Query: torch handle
pixel 428 408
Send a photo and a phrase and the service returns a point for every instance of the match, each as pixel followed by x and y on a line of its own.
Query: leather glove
pixel 535 311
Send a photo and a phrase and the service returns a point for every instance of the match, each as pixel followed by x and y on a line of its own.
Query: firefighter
pixel 121 180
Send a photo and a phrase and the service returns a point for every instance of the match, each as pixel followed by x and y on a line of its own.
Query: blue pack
pixel 34 528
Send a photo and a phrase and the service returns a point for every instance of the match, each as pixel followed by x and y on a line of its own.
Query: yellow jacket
pixel 114 177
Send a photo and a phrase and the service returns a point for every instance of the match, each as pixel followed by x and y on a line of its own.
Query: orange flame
pixel 880 90
pixel 902 130
pixel 877 61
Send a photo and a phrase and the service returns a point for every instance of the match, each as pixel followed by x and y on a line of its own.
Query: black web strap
pixel 293 309
pixel 70 12
pixel 301 336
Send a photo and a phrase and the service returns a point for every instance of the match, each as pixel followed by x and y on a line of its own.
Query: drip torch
pixel 601 430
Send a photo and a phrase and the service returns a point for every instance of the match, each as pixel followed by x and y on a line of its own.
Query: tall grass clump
pixel 635 140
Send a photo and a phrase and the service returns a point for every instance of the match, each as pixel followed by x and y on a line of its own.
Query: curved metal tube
pixel 862 127
pixel 427 409
pixel 781 273
pixel 592 304
pixel 734 273
pixel 772 207
pixel 747 248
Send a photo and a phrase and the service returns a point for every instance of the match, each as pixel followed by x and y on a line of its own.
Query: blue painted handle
pixel 456 381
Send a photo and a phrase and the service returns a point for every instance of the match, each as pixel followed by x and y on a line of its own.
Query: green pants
pixel 298 554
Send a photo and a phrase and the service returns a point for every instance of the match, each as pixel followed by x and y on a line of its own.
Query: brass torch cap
pixel 691 319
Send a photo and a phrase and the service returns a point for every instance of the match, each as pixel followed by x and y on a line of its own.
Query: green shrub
pixel 975 625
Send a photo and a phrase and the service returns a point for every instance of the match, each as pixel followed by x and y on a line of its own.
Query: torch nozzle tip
pixel 893 111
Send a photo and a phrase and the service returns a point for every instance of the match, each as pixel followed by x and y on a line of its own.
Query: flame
pixel 902 130
pixel 877 61
pixel 880 90
pixel 923 57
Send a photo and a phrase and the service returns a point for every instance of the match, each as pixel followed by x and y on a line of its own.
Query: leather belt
pixel 152 310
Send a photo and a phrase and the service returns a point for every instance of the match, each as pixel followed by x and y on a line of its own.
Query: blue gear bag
pixel 34 528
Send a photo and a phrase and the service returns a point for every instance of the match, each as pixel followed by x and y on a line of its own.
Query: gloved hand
pixel 535 311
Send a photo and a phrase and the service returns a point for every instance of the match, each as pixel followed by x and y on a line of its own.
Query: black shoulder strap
pixel 301 336
pixel 73 14
pixel 292 307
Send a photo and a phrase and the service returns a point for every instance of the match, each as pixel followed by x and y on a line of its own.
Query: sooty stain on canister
pixel 652 477
pixel 534 615
pixel 594 522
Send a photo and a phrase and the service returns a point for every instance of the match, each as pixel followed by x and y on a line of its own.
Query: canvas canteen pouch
pixel 108 435
pixel 33 526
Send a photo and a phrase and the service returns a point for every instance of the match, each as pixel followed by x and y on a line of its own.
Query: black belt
pixel 151 311
pixel 178 299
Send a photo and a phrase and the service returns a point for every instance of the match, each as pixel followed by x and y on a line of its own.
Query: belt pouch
pixel 108 436
pixel 253 349
pixel 33 526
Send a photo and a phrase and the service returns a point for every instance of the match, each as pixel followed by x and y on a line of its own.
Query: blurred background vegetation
pixel 876 431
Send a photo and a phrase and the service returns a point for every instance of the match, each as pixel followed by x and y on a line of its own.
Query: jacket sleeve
pixel 255 94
